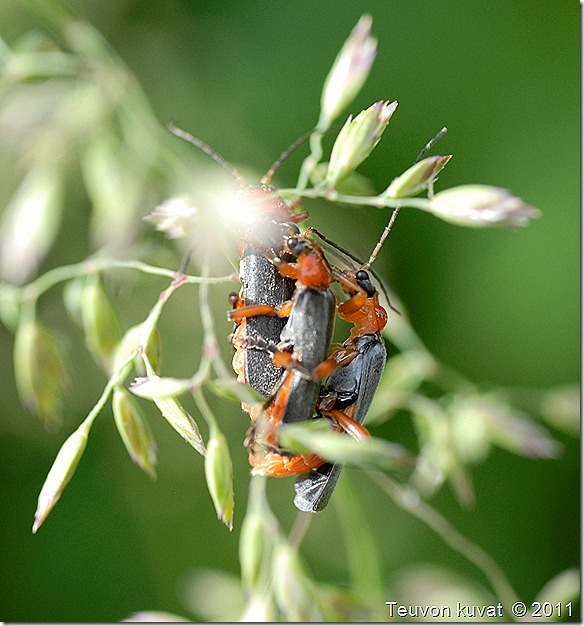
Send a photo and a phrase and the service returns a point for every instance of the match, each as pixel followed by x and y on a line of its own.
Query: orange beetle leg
pixel 348 424
pixel 286 269
pixel 241 312
pixel 343 353
pixel 339 356
pixel 353 304
pixel 322 370
pixel 253 310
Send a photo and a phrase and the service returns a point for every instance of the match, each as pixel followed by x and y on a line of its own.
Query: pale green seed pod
pixel 260 532
pixel 469 435
pixel 108 169
pixel 219 475
pixel 259 609
pixel 153 352
pixel 10 300
pixel 234 391
pixel 130 343
pixel 152 617
pixel 438 459
pixel 152 387
pixel 341 448
pixel 30 222
pixel 175 414
pixel 134 431
pixel 562 588
pixel 481 206
pixel 417 178
pixel 254 550
pixel 560 407
pixel 60 473
pixel 512 429
pixel 33 65
pixel 295 593
pixel 348 73
pixel 101 322
pixel 356 140
pixel 39 371
pixel 73 298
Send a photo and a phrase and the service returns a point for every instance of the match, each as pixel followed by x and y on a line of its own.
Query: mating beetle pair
pixel 301 352
pixel 284 318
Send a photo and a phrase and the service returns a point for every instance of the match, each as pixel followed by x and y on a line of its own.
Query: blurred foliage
pixel 85 157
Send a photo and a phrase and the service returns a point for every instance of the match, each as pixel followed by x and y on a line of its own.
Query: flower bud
pixel 30 223
pixel 219 474
pixel 176 217
pixel 562 588
pixel 130 343
pixel 39 371
pixel 348 73
pixel 316 437
pixel 417 177
pixel 109 170
pixel 153 352
pixel 73 298
pixel 172 410
pixel 101 322
pixel 259 609
pixel 151 617
pixel 230 389
pixel 561 408
pixel 254 548
pixel 515 430
pixel 469 436
pixel 175 414
pixel 60 473
pixel 153 387
pixel 32 65
pixel 134 431
pixel 295 593
pixel 10 302
pixel 356 140
pixel 481 206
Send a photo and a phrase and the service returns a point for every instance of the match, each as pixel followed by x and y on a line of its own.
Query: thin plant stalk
pixel 409 501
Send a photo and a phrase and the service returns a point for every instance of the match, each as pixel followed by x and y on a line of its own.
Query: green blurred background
pixel 501 307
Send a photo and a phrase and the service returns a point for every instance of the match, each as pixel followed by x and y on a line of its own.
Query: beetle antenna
pixel 284 156
pixel 393 217
pixel 382 239
pixel 198 143
pixel 312 231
